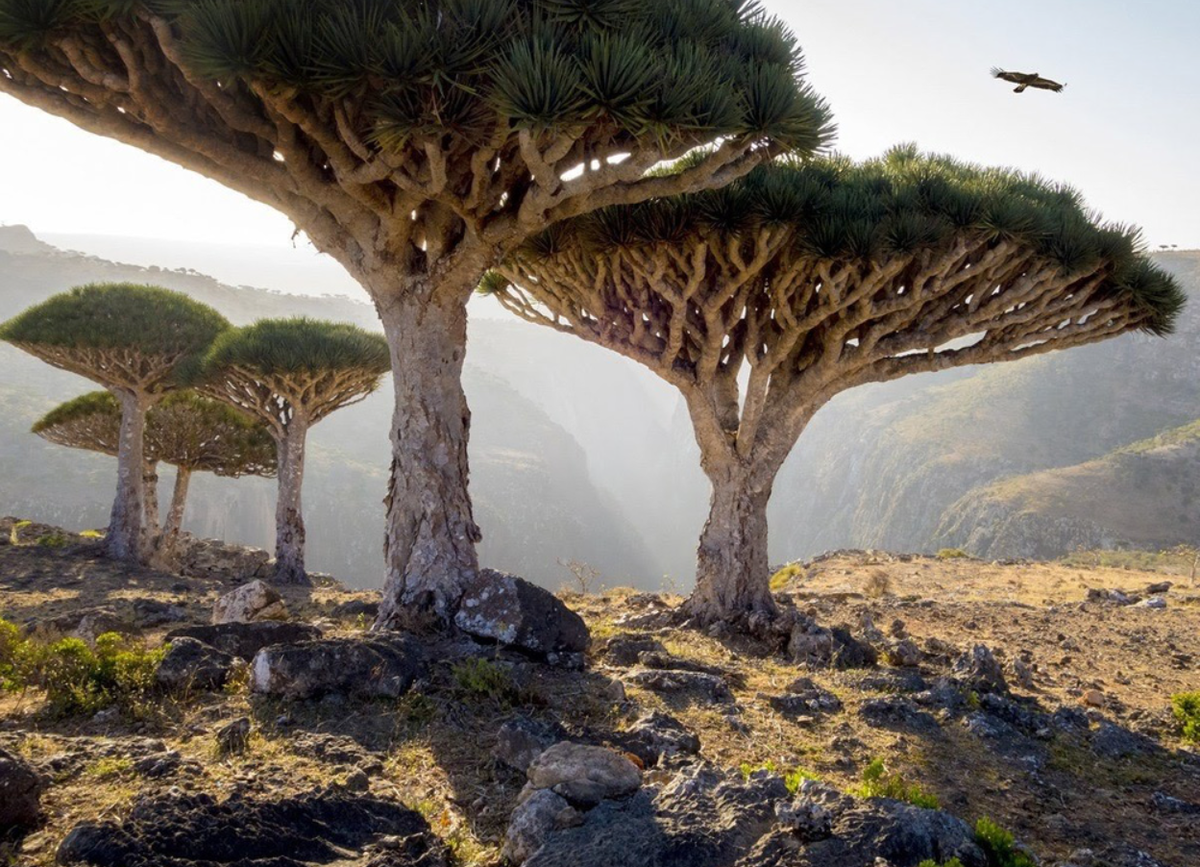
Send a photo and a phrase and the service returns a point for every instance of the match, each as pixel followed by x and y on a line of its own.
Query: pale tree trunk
pixel 732 568
pixel 431 532
pixel 289 517
pixel 170 533
pixel 150 503
pixel 124 538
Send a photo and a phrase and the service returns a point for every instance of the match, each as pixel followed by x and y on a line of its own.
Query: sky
pixel 1125 131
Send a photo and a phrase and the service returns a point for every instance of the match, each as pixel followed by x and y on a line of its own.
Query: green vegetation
pixel 1186 707
pixel 785 575
pixel 929 862
pixel 483 677
pixel 1000 846
pixel 79 680
pixel 300 345
pixel 878 783
pixel 952 554
pixel 792 778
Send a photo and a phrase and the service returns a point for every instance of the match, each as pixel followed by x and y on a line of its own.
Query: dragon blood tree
pixel 289 374
pixel 134 340
pixel 190 432
pixel 417 142
pixel 763 300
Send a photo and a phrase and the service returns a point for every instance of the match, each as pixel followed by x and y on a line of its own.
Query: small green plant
pixel 929 862
pixel 878 783
pixel 952 554
pixel 91 534
pixel 792 779
pixel 1186 707
pixel 52 540
pixel 109 768
pixel 483 677
pixel 13 534
pixel 999 845
pixel 788 573
pixel 748 769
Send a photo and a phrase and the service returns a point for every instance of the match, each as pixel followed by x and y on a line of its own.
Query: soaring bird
pixel 1023 80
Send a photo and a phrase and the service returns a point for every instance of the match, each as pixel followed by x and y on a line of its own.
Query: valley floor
pixel 1078 750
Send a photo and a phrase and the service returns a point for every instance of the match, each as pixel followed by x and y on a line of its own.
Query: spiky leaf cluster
pixel 184 430
pixel 665 68
pixel 902 203
pixel 298 347
pixel 149 320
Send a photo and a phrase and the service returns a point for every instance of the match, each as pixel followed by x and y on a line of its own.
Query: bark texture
pixel 124 539
pixel 289 516
pixel 150 501
pixel 174 524
pixel 431 531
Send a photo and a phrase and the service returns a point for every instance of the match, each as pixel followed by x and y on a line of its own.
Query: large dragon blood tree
pixel 417 142
pixel 763 300
pixel 133 340
pixel 188 431
pixel 289 374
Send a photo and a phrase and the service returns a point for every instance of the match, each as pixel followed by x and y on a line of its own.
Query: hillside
pixel 1141 496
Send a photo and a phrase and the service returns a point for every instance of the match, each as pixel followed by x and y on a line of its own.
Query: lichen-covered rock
pixel 693 685
pixel 212 559
pixel 980 668
pixel 583 774
pixel 520 741
pixel 20 792
pixel 533 820
pixel 822 647
pixel 181 830
pixel 369 667
pixel 510 610
pixel 192 664
pixel 253 601
pixel 246 639
pixel 657 736
pixel 626 649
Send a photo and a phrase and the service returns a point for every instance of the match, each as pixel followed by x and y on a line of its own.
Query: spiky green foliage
pixel 901 203
pixel 184 430
pixel 298 346
pixel 666 68
pixel 148 320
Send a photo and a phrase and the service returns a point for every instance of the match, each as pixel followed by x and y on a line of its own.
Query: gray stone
pixel 1165 803
pixel 904 654
pixel 375 666
pixel 246 639
pixel 533 820
pixel 253 601
pixel 821 647
pixel 626 649
pixel 20 792
pixel 148 613
pixel 686 684
pixel 192 664
pixel 234 737
pixel 584 774
pixel 367 609
pixel 512 611
pixel 520 741
pixel 657 736
pixel 1153 602
pixel 980 668
pixel 1114 742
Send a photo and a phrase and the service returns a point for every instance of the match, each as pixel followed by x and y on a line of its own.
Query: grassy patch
pixel 781 579
pixel 483 677
pixel 999 845
pixel 952 554
pixel 1186 707
pixel 878 783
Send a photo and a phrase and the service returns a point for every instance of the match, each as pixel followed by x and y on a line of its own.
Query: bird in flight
pixel 1023 80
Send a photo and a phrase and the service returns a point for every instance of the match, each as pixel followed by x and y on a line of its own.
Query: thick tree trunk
pixel 431 531
pixel 150 503
pixel 732 571
pixel 170 532
pixel 124 538
pixel 289 517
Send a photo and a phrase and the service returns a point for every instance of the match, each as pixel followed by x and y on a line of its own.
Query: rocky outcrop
pixel 191 664
pixel 189 830
pixel 20 793
pixel 585 775
pixel 375 666
pixel 246 639
pixel 253 601
pixel 211 559
pixel 513 612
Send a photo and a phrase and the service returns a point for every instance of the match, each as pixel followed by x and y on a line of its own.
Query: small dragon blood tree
pixel 289 374
pixel 133 340
pixel 190 432
pixel 763 300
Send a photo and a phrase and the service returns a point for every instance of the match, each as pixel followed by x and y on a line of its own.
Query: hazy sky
pixel 1124 131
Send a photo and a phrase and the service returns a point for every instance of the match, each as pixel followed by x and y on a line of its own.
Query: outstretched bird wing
pixel 1014 77
pixel 1047 84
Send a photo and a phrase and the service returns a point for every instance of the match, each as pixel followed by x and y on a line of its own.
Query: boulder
pixel 583 774
pixel 177 829
pixel 367 609
pixel 20 792
pixel 626 649
pixel 375 666
pixel 657 736
pixel 803 696
pixel 510 610
pixel 692 685
pixel 211 559
pixel 520 741
pixel 980 668
pixel 821 647
pixel 256 600
pixel 533 820
pixel 192 664
pixel 247 639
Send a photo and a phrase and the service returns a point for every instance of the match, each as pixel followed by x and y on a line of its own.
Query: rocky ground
pixel 1031 694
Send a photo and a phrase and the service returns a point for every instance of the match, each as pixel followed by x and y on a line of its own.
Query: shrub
pixel 878 783
pixel 792 779
pixel 929 862
pixel 52 540
pixel 781 579
pixel 999 845
pixel 952 554
pixel 1186 707
pixel 878 584
pixel 483 677
pixel 12 646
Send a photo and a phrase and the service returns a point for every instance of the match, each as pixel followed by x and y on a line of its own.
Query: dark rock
pixel 188 830
pixel 1165 803
pixel 1114 742
pixel 904 654
pixel 158 765
pixel 584 774
pixel 247 639
pixel 685 684
pixel 805 697
pixel 192 664
pixel 520 741
pixel 367 609
pixel 669 662
pixel 512 611
pixel 657 736
pixel 945 694
pixel 980 668
pixel 821 647
pixel 20 792
pixel 894 681
pixel 85 623
pixel 234 737
pixel 896 712
pixel 148 613
pixel 335 749
pixel 624 650
pixel 1160 587
pixel 533 820
pixel 375 666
